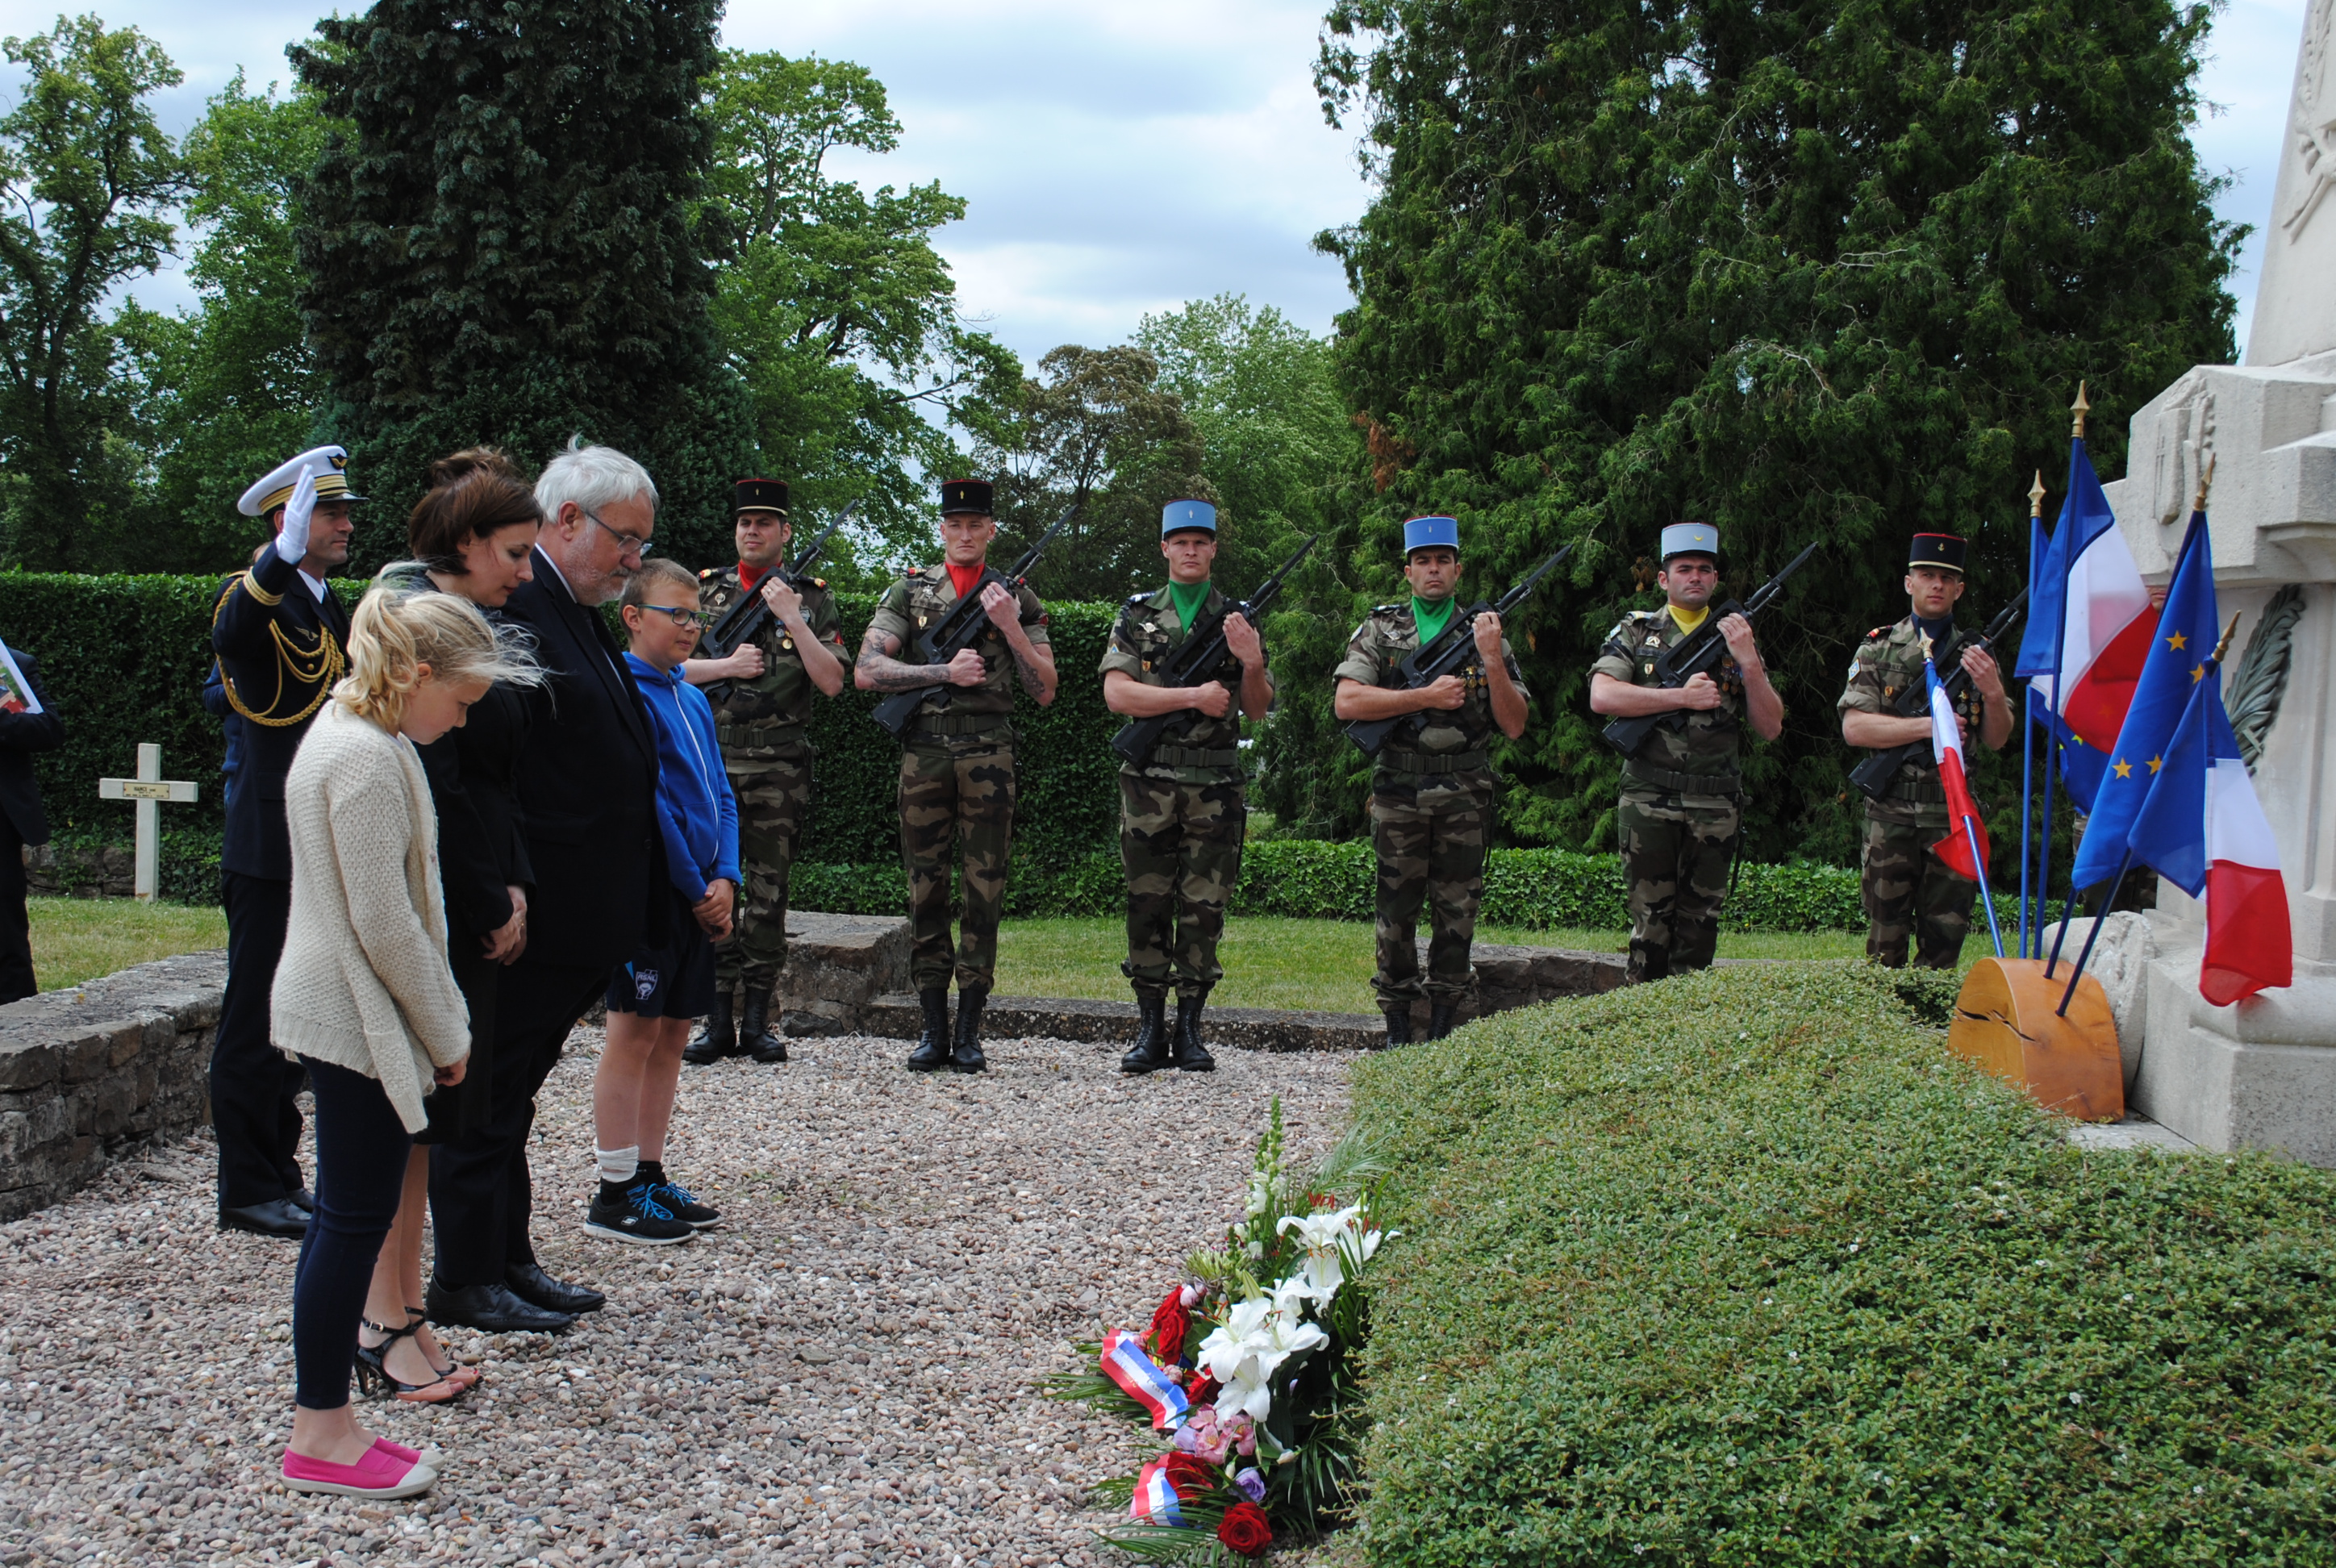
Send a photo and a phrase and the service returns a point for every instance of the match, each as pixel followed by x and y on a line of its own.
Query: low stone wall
pixel 88 1072
pixel 837 966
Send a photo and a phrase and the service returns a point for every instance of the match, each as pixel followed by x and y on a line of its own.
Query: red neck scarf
pixel 748 576
pixel 963 577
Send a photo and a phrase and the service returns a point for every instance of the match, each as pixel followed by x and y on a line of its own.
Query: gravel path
pixel 841 1375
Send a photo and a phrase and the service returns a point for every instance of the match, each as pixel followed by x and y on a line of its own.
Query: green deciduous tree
pixel 509 245
pixel 231 389
pixel 87 178
pixel 835 307
pixel 1812 271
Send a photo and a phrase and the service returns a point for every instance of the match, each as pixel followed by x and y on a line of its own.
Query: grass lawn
pixel 1319 964
pixel 77 939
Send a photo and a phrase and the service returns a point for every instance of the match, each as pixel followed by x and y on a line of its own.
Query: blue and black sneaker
pixel 631 1213
pixel 678 1199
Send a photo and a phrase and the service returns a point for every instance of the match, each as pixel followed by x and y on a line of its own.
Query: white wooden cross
pixel 150 789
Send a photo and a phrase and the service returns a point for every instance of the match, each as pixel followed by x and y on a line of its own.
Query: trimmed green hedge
pixel 1743 1268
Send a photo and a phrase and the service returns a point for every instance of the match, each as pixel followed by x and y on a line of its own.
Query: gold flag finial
pixel 2080 407
pixel 2229 632
pixel 2206 483
pixel 2036 495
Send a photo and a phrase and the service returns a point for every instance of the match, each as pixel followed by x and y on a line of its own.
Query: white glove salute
pixel 292 543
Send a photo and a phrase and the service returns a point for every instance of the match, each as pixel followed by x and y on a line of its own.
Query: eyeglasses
pixel 699 618
pixel 626 544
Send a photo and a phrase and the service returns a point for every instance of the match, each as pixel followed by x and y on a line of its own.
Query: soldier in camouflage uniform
pixel 1683 801
pixel 1182 815
pixel 1908 892
pixel 956 766
pixel 1432 788
pixel 762 700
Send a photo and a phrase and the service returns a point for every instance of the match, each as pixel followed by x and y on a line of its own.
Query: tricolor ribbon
pixel 1155 1502
pixel 1126 1364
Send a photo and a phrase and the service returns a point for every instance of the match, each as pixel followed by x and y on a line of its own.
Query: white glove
pixel 292 543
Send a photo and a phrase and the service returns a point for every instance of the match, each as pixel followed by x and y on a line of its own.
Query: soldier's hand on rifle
pixel 784 602
pixel 1701 693
pixel 966 668
pixel 1446 691
pixel 1985 673
pixel 1739 633
pixel 1213 697
pixel 1241 638
pixel 1488 638
pixel 743 665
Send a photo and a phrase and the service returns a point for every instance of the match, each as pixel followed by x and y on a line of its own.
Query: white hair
pixel 592 477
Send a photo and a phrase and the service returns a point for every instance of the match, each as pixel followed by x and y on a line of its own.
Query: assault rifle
pixel 1874 775
pixel 1447 655
pixel 744 621
pixel 1699 655
pixel 958 630
pixel 1196 658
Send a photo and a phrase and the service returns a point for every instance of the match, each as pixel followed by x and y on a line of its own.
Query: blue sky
pixel 1121 159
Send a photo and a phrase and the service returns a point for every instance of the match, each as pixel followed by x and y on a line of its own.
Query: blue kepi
pixel 1179 515
pixel 1424 533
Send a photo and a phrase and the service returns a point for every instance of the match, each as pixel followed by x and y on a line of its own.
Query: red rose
pixel 1203 1391
pixel 1246 1530
pixel 1170 1323
pixel 1191 1476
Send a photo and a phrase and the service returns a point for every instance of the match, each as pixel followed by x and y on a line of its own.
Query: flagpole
pixel 2092 935
pixel 2026 730
pixel 1986 899
pixel 2052 740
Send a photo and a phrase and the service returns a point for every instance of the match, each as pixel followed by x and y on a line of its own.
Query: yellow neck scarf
pixel 1687 622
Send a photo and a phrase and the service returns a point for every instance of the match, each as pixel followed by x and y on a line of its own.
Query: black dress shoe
pixel 529 1282
pixel 491 1307
pixel 276 1217
pixel 305 1199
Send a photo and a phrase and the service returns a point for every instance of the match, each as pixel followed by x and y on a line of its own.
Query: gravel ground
pixel 843 1374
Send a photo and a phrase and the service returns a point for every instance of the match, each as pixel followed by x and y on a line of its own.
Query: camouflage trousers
pixel 966 796
pixel 1909 893
pixel 1676 852
pixel 1181 846
pixel 1430 844
pixel 773 803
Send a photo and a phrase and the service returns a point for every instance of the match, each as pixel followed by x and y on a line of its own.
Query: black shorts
pixel 674 981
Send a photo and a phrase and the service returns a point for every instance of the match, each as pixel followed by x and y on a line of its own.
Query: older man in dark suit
pixel 588 796
pixel 22 822
pixel 280 638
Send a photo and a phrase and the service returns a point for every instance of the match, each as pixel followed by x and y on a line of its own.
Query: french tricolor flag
pixel 1140 1376
pixel 2203 830
pixel 1964 849
pixel 1155 1502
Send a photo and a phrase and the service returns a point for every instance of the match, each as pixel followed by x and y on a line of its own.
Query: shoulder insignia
pixel 709 571
pixel 1385 608
pixel 819 582
pixel 1135 600
pixel 1878 632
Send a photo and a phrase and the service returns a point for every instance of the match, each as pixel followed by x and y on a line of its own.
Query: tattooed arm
pixel 877 668
pixel 1034 662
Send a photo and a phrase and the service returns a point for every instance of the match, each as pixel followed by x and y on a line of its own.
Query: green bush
pixel 1743 1269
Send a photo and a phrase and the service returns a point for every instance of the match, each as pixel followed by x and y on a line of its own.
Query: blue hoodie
pixel 694 805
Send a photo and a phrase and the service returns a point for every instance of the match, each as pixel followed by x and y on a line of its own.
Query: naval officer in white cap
pixel 280 635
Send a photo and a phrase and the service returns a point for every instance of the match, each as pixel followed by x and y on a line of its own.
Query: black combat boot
pixel 932 1052
pixel 1398 1024
pixel 966 1053
pixel 755 1036
pixel 1191 1056
pixel 1441 1016
pixel 715 1038
pixel 1150 1052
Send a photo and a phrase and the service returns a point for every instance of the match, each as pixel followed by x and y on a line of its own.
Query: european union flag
pixel 2179 654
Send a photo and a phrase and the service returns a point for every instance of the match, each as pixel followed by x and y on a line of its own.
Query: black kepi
pixel 759 495
pixel 968 495
pixel 1943 551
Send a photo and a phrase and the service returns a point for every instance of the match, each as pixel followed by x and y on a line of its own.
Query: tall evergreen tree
pixel 1808 270
pixel 503 248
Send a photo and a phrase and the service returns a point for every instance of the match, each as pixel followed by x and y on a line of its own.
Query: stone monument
pixel 2262 1074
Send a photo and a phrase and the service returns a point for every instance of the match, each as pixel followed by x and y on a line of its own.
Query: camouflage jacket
pixel 1148 630
pixel 1710 745
pixel 755 715
pixel 1888 663
pixel 924 595
pixel 1374 654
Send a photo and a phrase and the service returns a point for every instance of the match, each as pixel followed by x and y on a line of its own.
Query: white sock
pixel 619 1165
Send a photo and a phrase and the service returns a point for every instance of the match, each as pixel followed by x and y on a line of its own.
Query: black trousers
pixel 16 980
pixel 253 1084
pixel 481 1195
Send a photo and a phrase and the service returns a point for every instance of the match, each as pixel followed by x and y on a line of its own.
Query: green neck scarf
pixel 1188 598
pixel 1431 618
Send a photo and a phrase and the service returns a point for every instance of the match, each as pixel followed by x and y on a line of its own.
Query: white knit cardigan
pixel 364 983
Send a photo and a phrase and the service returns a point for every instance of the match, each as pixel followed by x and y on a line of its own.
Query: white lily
pixel 1260 1193
pixel 1336 1246
pixel 1257 1335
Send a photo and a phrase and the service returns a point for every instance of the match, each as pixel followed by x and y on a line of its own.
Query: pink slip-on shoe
pixel 433 1455
pixel 379 1474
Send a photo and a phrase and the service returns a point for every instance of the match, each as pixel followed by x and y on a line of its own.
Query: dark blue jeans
pixel 361 1153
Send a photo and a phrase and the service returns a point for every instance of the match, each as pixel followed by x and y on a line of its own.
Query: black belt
pixel 1419 762
pixel 966 724
pixel 768 731
pixel 1682 784
pixel 1187 757
pixel 1917 792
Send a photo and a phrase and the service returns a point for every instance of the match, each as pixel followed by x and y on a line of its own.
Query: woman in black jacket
pixel 472 535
